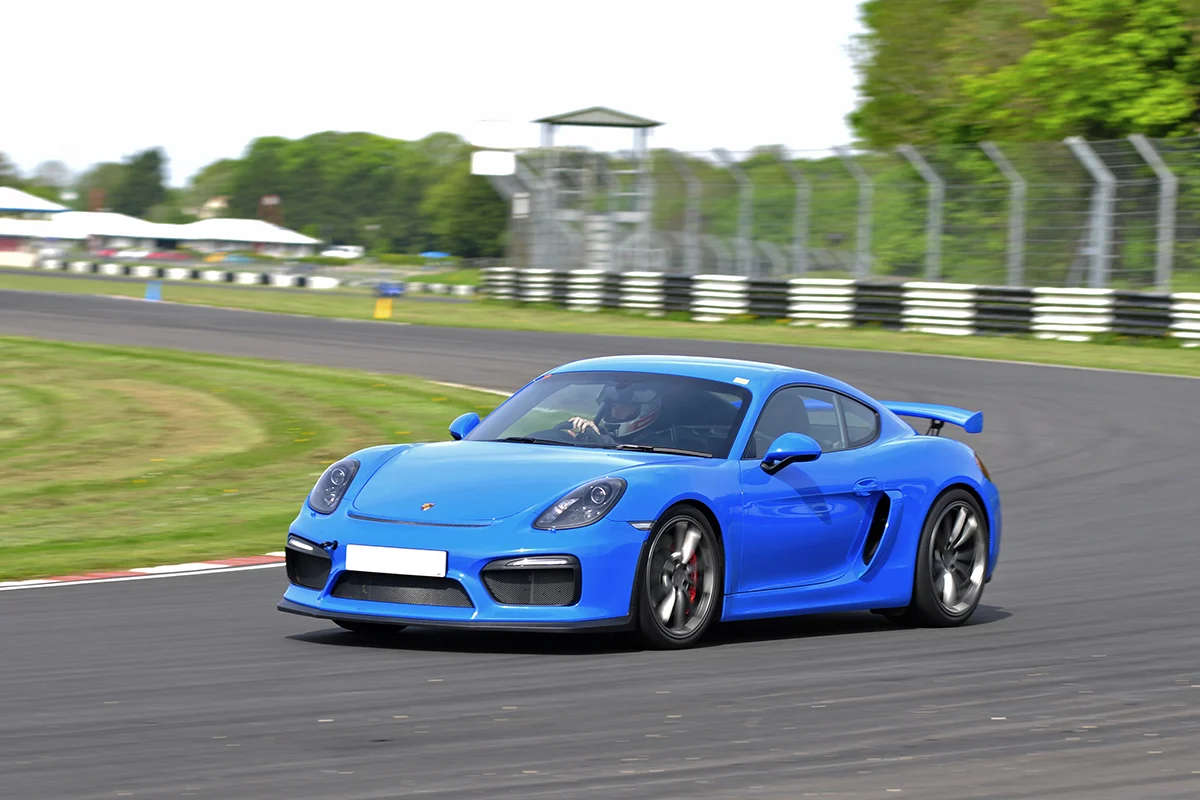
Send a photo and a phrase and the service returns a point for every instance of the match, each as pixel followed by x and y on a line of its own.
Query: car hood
pixel 479 482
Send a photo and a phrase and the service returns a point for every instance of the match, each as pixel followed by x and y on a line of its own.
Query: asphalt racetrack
pixel 1079 677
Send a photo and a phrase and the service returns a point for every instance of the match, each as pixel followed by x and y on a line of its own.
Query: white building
pixel 109 230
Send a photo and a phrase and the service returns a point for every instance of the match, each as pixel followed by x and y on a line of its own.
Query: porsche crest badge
pixel 426 506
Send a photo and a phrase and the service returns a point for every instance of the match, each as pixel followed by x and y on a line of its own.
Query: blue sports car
pixel 656 493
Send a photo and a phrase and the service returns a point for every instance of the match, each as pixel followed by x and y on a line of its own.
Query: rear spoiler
pixel 969 421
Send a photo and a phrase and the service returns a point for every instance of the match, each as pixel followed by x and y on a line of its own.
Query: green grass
pixel 122 457
pixel 465 276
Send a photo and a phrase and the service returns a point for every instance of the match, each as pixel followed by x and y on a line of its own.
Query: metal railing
pixel 1122 213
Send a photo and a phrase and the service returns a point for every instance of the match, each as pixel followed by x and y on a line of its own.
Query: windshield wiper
pixel 527 440
pixel 649 448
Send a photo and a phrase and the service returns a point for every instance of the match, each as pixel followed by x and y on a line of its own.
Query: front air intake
pixel 307 563
pixel 534 581
pixel 416 590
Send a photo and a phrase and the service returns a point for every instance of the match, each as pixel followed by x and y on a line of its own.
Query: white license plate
pixel 396 560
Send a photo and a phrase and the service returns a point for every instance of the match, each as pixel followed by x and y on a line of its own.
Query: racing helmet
pixel 627 409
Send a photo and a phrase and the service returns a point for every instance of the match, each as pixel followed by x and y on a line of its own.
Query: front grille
pixel 307 569
pixel 383 588
pixel 533 587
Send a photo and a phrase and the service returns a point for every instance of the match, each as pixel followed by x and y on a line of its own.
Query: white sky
pixel 201 79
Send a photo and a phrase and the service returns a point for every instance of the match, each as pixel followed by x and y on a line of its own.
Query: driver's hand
pixel 580 426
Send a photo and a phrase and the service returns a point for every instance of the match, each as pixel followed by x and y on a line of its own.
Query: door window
pixel 862 423
pixel 837 422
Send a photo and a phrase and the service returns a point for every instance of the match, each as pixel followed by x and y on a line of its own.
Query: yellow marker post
pixel 383 308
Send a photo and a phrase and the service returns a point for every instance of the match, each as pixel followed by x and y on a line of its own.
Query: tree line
pixel 391 195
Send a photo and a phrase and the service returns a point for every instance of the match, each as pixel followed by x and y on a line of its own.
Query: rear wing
pixel 969 421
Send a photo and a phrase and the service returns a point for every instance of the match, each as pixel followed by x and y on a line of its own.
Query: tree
pixel 215 180
pixel 967 70
pixel 9 175
pixel 466 215
pixel 97 185
pixel 1100 69
pixel 53 174
pixel 141 186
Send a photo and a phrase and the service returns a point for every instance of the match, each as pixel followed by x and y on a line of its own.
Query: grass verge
pixel 1147 355
pixel 121 457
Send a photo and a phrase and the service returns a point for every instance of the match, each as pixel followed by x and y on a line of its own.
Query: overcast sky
pixel 97 81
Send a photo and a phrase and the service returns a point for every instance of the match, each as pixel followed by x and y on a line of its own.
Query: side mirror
pixel 463 425
pixel 790 448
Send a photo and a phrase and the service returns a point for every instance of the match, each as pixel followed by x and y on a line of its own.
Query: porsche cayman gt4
pixel 656 493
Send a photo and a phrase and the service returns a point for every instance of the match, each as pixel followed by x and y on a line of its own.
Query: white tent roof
pixel 15 200
pixel 220 229
pixel 82 224
pixel 27 228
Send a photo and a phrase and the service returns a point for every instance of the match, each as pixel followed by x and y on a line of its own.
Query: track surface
pixel 1080 676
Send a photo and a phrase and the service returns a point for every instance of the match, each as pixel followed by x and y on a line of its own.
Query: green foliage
pixel 465 215
pixel 141 186
pixel 9 175
pixel 96 186
pixel 360 188
pixel 1098 69
pixel 969 70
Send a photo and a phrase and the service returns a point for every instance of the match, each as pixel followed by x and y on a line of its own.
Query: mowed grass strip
pixel 122 457
pixel 1164 356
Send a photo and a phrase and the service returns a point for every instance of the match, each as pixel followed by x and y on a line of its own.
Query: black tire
pixel 696 584
pixel 374 630
pixel 938 559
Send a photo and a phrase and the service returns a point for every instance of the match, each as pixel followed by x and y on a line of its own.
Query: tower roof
pixel 600 117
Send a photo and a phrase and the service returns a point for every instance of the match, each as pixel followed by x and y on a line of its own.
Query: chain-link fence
pixel 1122 213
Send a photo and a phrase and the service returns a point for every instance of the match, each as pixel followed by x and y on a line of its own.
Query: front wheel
pixel 951 562
pixel 681 581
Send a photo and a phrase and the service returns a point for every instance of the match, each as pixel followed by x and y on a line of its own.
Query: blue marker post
pixel 153 290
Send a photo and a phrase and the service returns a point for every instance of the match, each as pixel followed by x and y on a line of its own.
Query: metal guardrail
pixel 956 309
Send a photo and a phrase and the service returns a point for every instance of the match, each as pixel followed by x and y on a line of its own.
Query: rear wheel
pixel 951 562
pixel 376 630
pixel 681 581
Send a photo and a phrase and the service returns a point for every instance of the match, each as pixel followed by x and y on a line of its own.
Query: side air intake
pixel 878 522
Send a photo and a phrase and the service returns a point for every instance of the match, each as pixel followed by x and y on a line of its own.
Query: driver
pixel 624 412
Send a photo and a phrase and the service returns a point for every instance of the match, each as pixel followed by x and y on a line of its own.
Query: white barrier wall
pixel 17 258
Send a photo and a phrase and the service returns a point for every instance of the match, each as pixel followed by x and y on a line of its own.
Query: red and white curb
pixel 237 564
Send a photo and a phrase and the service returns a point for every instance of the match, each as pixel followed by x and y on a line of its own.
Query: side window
pixel 797 409
pixel 862 423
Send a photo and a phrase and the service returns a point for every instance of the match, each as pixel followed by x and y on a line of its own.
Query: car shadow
pixel 417 638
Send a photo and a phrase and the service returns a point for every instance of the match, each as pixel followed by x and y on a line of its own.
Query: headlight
pixel 582 506
pixel 332 486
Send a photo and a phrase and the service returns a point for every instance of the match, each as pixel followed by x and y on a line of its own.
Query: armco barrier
pixel 947 308
pixel 1185 316
pixel 154 272
pixel 956 309
pixel 825 302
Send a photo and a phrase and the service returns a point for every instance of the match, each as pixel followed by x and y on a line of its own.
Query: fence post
pixel 745 258
pixel 1017 189
pixel 933 219
pixel 1168 191
pixel 862 236
pixel 800 224
pixel 691 215
pixel 1102 206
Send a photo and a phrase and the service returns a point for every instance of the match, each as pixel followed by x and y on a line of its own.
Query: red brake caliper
pixel 693 579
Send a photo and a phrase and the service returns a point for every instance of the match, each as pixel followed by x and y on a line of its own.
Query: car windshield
pixel 624 411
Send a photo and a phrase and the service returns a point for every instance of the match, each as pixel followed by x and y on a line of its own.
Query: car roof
pixel 754 374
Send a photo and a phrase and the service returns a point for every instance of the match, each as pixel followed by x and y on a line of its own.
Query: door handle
pixel 866 486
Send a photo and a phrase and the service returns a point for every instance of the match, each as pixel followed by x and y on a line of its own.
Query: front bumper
pixel 608 553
